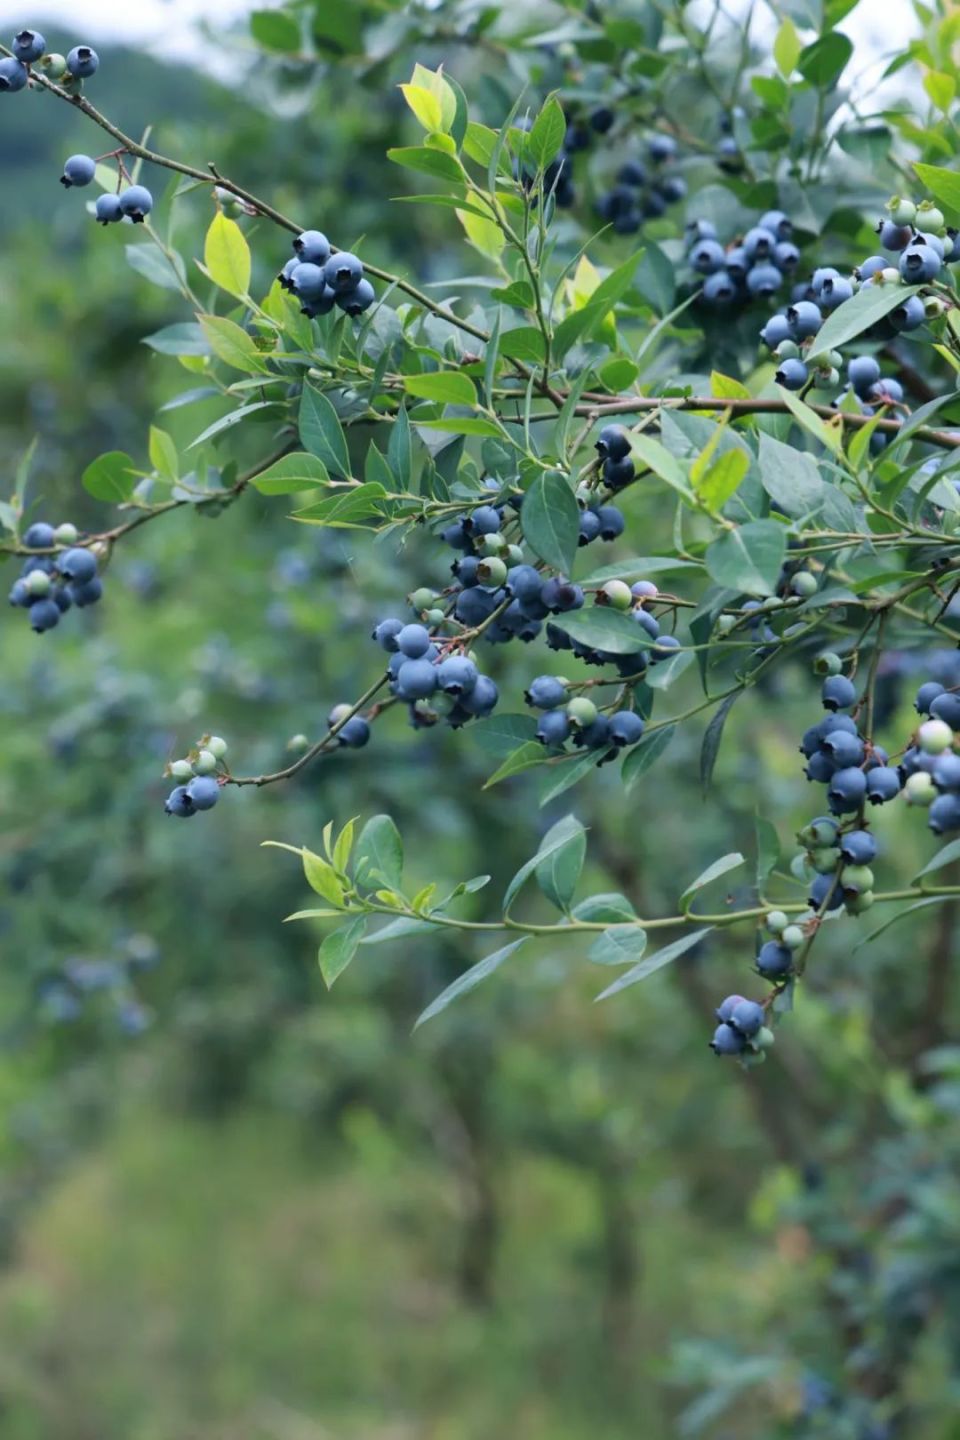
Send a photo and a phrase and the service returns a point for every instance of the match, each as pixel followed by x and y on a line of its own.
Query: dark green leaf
pixel 822 62
pixel 613 909
pixel 446 387
pixel 558 873
pixel 748 559
pixel 550 518
pixel 469 981
pixel 291 474
pixel 559 835
pixel 645 755
pixel 655 962
pixel 428 162
pixel 790 477
pixel 620 945
pixel 603 629
pixel 869 305
pixel 322 434
pixel 712 737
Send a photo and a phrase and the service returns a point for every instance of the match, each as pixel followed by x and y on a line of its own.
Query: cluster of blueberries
pixel 50 584
pixel 198 787
pixel 321 278
pixel 134 203
pixel 929 767
pixel 68 995
pixel 30 48
pixel 641 193
pixel 753 269
pixel 499 597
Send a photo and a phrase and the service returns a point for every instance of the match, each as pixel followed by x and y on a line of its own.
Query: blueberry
pixel 820 769
pixel 465 568
pixel 908 316
pixel 474 605
pixel 777 329
pixel 308 281
pixel 626 728
pixel 759 243
pixel 457 675
pixel 619 473
pixel 313 246
pixel 611 522
pixel 719 289
pixel 413 641
pixel 79 170
pixel 844 750
pixel 77 564
pixel 763 280
pixel 700 230
pixel 40 536
pixel 822 887
pixel 786 256
pixel 82 62
pixel 136 202
pixel 546 692
pixel 847 791
pixel 944 814
pixel 561 595
pixel 805 319
pixel 706 257
pixel 631 172
pixel 355 301
pixel 613 443
pixel 554 728
pixel 482 699
pixel 946 707
pixel 179 803
pixel 727 1041
pixel 946 772
pixel 524 582
pixel 834 292
pixel 887 390
pixel 726 1008
pixel 343 272
pixel 203 792
pixel 589 527
pixel 919 263
pixel 747 1017
pixel 858 847
pixel 777 223
pixel 19 594
pixel 673 189
pixel 485 520
pixel 661 148
pixel 109 209
pixel 792 375
pixel 87 592
pixel 601 119
pixel 838 693
pixel 322 305
pixel 44 615
pixel 28 46
pixel 354 734
pixel 13 75
pixel 416 680
pixel 870 267
pixel 883 784
pixel 64 598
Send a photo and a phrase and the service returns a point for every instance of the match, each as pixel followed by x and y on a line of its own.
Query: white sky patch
pixel 165 27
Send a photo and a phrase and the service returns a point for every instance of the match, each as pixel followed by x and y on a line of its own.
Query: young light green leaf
pixel 944 856
pixel 446 387
pixel 469 981
pixel 226 255
pixel 338 949
pixel 321 877
pixel 111 477
pixel 232 344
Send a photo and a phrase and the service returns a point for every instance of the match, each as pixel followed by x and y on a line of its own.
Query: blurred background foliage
pixel 232 1204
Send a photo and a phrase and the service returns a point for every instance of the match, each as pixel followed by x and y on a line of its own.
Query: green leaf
pixel 559 873
pixel 657 458
pixel 528 755
pixel 469 980
pixel 322 433
pixel 944 185
pixel 400 450
pixel 500 734
pixel 655 962
pixel 226 255
pixel 712 872
pixel 603 629
pixel 723 479
pixel 398 929
pixel 378 857
pixel 546 137
pixel 790 477
pixel 446 387
pixel 425 105
pixel 613 908
pixel 338 949
pixel 748 559
pixel 870 304
pixel 822 62
pixel 561 776
pixel 523 342
pixel 291 474
pixel 711 740
pixel 184 339
pixel 550 519
pixel 428 162
pixel 230 421
pixel 895 919
pixel 111 477
pixel 154 265
pixel 347 509
pixel 463 425
pixel 163 453
pixel 322 878
pixel 662 675
pixel 945 856
pixel 232 344
pixel 645 755
pixel 656 279
pixel 787 48
pixel 559 835
pixel 768 851
pixel 275 30
pixel 620 945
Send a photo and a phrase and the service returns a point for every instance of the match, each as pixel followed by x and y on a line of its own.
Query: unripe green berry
pixel 799 867
pixel 493 544
pixel 919 789
pixel 857 904
pixel 834 358
pixel 298 742
pixel 514 555
pixel 54 65
pixel 890 276
pixel 934 307
pixel 902 212
pixel 181 769
pixel 771 602
pixel 763 1039
pixel 857 878
pixel 434 618
pixel 934 737
pixel 581 711
pixel 584 495
pixel 37 583
pixel 777 921
pixel 825 861
pixel 793 937
pixel 66 534
pixel 217 746
pixel 725 624
pixel 753 1057
pixel 827 664
pixel 205 763
pixel 617 594
pixel 492 572
pixel 422 599
pixel 804 584
pixel 338 714
pixel 929 217
pixel 787 350
pixel 821 833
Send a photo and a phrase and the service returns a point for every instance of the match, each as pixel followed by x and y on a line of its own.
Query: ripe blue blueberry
pixel 858 847
pixel 203 792
pixel 804 319
pixel 589 527
pixel 554 728
pixel 673 188
pixel 136 202
pixel 386 634
pixel 40 536
pixel 946 772
pixel 474 605
pixel 777 329
pixel 485 520
pixel 77 564
pixel 44 614
pixel 894 237
pixel 626 728
pixel 416 680
pixel 822 887
pixel 944 814
pixel 838 693
pixel 82 62
pixel 322 305
pixel 631 172
pixel 661 148
pixel 699 230
pixel 19 594
pixel 792 374
pixel 747 1017
pixel 524 582
pixel 919 263
pixel 546 692
pixel 719 288
pixel 883 784
pixel 775 960
pixel 834 292
pixel 466 566
pixel 844 750
pixel 560 595
pixel 79 170
pixel 786 256
pixel 665 647
pixel 778 223
pixel 413 641
pixel 619 473
pixel 457 675
pixel 28 46
pixel 595 735
pixel 726 1008
pixel 946 707
pixel 706 257
pixel 313 246
pixel 308 281
pixel 13 75
pixel 820 769
pixel 737 263
pixel 763 280
pixel 847 791
pixel 360 298
pixel 108 209
pixel 85 592
pixel 343 272
pixel 482 699
pixel 870 267
pixel 613 443
pixel 727 1041
pixel 179 803
pixel 354 734
pixel 759 243
pixel 611 522
pixel 908 316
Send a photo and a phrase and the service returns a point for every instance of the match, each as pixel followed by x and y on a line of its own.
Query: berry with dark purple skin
pixel 612 522
pixel 179 803
pixel 109 209
pixel 786 257
pixel 613 443
pixel 626 728
pixel 601 119
pixel 944 814
pixel 848 789
pixel 203 792
pixel 466 569
pixel 706 257
pixel 386 634
pixel 524 582
pixel 726 1008
pixel 777 329
pixel 617 474
pixel 79 170
pixel 554 729
pixel 631 172
pixel 838 693
pixel 805 319
pixel 727 1041
pixel 416 680
pixel 858 847
pixel 546 692
pixel 136 202
pixel 457 537
pixel 759 243
pixel 308 281
pixel 77 564
pixel 457 675
pixel 13 75
pixel 778 223
pixel 747 1017
pixel 312 246
pixel 482 699
pixel 843 749
pixel 86 592
pixel 823 886
pixel 44 614
pixel 475 604
pixel 920 263
pixel 908 316
pixel 595 736
pixel 883 784
pixel 413 641
pixel 28 45
pixel 719 289
pixel 82 62
pixel 485 520
pixel 41 536
pixel 673 189
pixel 661 148
pixel 894 237
pixel 561 595
pixel 344 272
pixel 775 961
pixel 946 772
pixel 946 707
pixel 354 734
pixel 792 374
pixel 357 300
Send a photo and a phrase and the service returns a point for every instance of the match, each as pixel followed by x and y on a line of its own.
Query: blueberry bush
pixel 651 426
